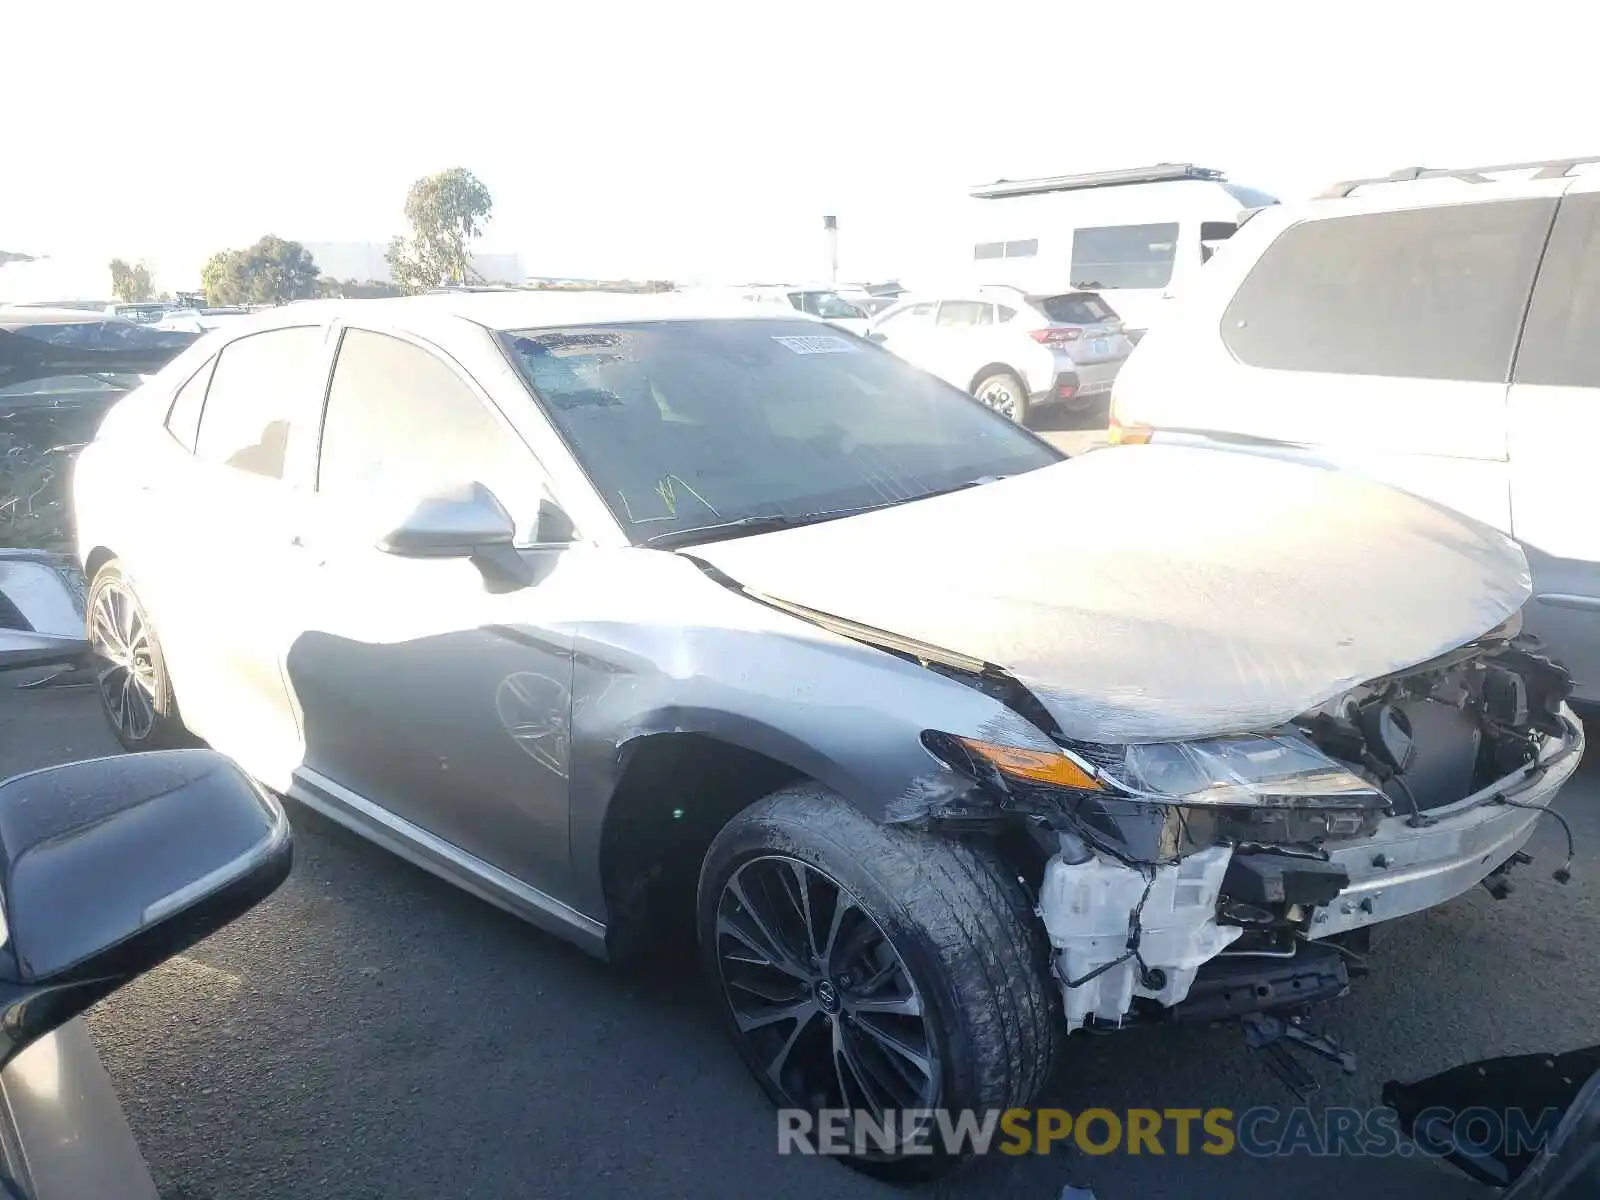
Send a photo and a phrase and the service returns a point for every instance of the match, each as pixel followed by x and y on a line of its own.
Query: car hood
pixel 86 348
pixel 1149 593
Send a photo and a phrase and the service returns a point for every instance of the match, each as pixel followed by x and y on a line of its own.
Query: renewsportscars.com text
pixel 1264 1132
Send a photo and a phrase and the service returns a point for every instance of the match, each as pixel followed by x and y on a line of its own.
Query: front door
pixel 424 693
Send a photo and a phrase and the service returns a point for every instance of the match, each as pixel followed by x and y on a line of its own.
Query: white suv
pixel 1010 349
pixel 1439 330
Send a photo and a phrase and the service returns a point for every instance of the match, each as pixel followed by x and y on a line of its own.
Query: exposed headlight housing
pixel 1273 788
pixel 1253 769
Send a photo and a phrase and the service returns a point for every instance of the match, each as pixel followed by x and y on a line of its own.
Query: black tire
pixel 996 384
pixel 139 703
pixel 973 956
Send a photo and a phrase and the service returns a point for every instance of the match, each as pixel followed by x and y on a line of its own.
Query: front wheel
pixel 1004 393
pixel 876 970
pixel 130 672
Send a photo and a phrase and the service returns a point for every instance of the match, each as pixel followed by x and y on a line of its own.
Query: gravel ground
pixel 370 1031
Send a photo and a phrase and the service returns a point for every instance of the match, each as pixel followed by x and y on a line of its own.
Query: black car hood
pixel 90 347
pixel 1147 593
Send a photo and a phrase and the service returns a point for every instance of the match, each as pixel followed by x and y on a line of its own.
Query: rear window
pixel 1074 308
pixel 1124 256
pixel 1427 293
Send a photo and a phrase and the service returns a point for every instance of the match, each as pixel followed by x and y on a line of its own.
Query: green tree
pixel 446 212
pixel 222 279
pixel 131 283
pixel 273 271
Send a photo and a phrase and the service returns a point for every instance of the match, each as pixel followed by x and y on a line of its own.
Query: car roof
pixel 16 316
pixel 523 310
pixel 981 294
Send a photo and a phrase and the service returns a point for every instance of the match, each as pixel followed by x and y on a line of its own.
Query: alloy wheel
pixel 125 671
pixel 999 397
pixel 822 1000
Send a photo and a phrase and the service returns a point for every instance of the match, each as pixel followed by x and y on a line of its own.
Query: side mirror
pixel 466 521
pixel 42 621
pixel 113 865
pixel 875 336
pixel 457 522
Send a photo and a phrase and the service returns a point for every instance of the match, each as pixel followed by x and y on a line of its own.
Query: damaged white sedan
pixel 630 616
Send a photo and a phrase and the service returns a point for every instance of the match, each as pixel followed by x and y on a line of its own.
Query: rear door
pixel 225 587
pixel 1554 435
pixel 965 339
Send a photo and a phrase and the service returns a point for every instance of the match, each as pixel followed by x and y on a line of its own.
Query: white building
pixel 50 277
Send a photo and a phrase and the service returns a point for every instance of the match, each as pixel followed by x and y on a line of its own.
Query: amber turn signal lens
pixel 1118 434
pixel 1035 766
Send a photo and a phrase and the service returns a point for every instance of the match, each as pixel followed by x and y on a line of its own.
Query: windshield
pixel 687 424
pixel 830 306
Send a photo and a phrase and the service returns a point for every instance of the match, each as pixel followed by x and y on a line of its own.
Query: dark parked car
pixel 60 370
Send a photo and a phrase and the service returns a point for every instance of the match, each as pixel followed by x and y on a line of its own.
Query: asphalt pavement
pixel 372 1032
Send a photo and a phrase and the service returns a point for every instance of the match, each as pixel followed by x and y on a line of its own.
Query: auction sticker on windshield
pixel 817 345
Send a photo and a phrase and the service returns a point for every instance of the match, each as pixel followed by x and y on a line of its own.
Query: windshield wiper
pixel 763 523
pixel 963 486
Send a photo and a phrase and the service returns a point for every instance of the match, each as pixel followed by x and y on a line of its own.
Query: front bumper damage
pixel 1406 868
pixel 1127 936
pixel 1172 891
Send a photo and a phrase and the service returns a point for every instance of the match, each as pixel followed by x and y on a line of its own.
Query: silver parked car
pixel 1012 350
pixel 628 613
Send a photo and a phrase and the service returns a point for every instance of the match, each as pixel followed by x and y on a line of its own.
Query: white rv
pixel 1136 236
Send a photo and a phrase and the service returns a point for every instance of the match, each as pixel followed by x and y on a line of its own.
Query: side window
pixel 1124 256
pixel 1213 234
pixel 965 314
pixel 1426 293
pixel 261 389
pixel 1561 344
pixel 1006 314
pixel 183 418
pixel 400 420
pixel 908 318
pixel 1023 248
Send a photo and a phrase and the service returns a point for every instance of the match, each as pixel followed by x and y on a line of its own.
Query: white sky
pixel 702 139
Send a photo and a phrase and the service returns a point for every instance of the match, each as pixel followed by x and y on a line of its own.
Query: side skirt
pixel 449 862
